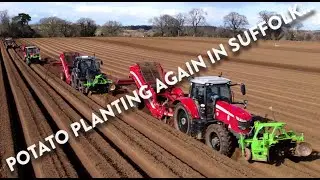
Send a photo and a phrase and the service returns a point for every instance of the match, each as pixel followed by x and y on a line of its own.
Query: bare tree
pixel 266 15
pixel 158 24
pixel 112 28
pixel 68 29
pixel 87 26
pixel 196 19
pixel 292 31
pixel 235 22
pixel 166 25
pixel 181 18
pixel 273 34
pixel 4 23
pixel 51 26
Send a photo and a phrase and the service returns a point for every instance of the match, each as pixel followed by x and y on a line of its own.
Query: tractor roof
pixel 30 47
pixel 210 79
pixel 86 57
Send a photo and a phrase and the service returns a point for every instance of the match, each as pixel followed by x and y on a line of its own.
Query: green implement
pixel 98 80
pixel 271 138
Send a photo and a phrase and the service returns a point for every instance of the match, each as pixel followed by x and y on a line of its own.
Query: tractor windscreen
pixel 222 90
pixel 89 64
pixel 33 51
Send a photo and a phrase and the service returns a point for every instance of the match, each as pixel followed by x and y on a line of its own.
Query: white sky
pixel 138 13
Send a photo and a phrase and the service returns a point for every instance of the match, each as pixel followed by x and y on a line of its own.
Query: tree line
pixel 192 23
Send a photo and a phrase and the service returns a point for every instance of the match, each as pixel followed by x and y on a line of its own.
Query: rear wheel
pixel 73 81
pixel 219 138
pixel 82 88
pixel 182 119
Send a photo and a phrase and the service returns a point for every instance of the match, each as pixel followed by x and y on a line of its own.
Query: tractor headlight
pixel 112 87
pixel 243 124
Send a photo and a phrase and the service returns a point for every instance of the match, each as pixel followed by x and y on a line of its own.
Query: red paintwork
pixel 175 95
pixel 65 66
pixel 23 48
pixel 190 106
pixel 236 112
pixel 124 82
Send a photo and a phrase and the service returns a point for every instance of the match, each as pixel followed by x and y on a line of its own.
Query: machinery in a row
pixel 210 112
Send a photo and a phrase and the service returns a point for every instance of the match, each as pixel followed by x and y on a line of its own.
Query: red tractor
pixel 207 112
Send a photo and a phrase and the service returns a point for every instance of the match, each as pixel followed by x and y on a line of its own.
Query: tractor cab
pixel 32 50
pixel 31 53
pixel 87 66
pixel 207 90
pixel 86 76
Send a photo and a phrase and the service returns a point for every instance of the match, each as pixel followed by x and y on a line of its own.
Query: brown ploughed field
pixel 284 75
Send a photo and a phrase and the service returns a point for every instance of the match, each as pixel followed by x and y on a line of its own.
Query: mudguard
pixel 190 106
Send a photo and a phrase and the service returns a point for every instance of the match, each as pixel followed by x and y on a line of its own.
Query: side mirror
pixel 98 65
pixel 243 89
pixel 190 78
pixel 101 62
pixel 245 104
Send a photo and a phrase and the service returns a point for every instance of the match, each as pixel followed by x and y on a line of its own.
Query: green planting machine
pixel 269 140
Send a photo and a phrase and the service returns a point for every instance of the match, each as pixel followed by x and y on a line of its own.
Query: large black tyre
pixel 82 88
pixel 27 61
pixel 138 105
pixel 219 138
pixel 182 119
pixel 73 81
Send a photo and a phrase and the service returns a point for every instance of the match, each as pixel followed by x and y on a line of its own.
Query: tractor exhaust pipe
pixel 303 149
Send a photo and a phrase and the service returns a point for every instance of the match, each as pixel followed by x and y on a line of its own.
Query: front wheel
pixel 182 119
pixel 247 154
pixel 219 138
pixel 28 61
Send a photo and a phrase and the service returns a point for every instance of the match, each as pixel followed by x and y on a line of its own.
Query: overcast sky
pixel 138 13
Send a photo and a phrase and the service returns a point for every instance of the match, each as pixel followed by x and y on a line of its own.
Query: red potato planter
pixel 207 112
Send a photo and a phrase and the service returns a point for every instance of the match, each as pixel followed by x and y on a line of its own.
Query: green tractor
pixel 86 76
pixel 31 54
pixel 270 139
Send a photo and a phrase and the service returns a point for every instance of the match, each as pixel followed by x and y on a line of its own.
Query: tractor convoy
pixel 208 112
